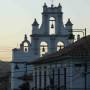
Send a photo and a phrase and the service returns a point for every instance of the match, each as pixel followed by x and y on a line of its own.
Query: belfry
pixel 52 35
pixel 51 31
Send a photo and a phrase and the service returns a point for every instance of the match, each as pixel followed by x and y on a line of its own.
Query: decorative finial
pixel 35 23
pixel 25 38
pixel 45 5
pixel 69 23
pixel 59 5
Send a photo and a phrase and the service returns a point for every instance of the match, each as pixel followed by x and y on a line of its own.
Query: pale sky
pixel 16 17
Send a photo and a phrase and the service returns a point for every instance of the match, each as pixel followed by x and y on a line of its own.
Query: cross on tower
pixel 52 1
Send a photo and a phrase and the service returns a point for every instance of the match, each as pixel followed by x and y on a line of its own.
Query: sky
pixel 17 16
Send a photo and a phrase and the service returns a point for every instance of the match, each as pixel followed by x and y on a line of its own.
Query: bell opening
pixel 43 49
pixel 52 26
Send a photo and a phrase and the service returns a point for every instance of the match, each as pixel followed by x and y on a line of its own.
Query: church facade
pixel 50 37
pixel 67 69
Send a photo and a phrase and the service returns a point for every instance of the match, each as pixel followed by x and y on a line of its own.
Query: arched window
pixel 43 48
pixel 52 25
pixel 26 47
pixel 60 45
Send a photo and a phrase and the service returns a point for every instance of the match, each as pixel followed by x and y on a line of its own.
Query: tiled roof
pixel 79 48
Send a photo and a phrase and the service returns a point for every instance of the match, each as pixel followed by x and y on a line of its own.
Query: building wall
pixel 71 75
pixel 29 51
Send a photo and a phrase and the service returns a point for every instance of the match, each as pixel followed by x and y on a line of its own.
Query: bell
pixel 52 26
pixel 78 37
pixel 43 49
pixel 60 48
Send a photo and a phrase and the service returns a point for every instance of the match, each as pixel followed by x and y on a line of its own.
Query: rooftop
pixel 77 49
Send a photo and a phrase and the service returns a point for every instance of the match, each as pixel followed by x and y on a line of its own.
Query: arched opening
pixel 60 45
pixel 52 25
pixel 26 47
pixel 43 48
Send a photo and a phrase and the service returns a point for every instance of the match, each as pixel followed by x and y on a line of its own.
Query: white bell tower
pixel 51 32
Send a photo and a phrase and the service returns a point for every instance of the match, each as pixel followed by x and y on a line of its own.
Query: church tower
pixel 50 37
